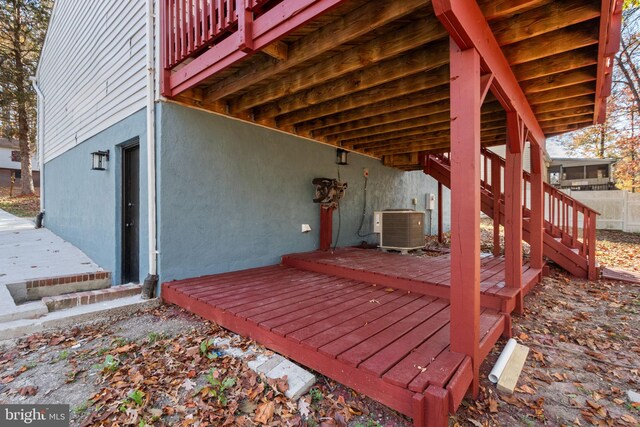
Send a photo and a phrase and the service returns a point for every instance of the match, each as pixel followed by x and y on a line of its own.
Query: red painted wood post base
pixel 508 326
pixel 326 227
pixel 437 406
pixel 465 205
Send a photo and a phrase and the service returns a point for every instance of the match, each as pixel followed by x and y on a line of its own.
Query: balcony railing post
pixel 245 26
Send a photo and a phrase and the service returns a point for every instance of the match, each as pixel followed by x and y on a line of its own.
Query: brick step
pixel 35 289
pixel 60 302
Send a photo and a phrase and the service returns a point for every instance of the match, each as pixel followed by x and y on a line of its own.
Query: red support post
pixel 496 188
pixel 465 205
pixel 326 227
pixel 591 256
pixel 440 214
pixel 513 210
pixel 536 219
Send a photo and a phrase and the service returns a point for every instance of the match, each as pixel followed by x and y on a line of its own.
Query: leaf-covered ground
pixel 22 206
pixel 158 368
pixel 153 368
pixel 618 249
pixel 585 355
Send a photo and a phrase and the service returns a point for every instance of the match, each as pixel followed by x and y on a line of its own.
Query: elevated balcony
pixel 372 76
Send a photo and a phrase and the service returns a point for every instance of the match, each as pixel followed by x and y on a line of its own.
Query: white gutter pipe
pixel 498 368
pixel 151 281
pixel 40 135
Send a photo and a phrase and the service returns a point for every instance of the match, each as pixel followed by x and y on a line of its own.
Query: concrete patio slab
pixel 28 258
pixel 27 253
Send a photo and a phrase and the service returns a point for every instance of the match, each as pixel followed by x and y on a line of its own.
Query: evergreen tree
pixel 23 25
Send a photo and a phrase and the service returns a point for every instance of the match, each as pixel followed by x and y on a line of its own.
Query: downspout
pixel 40 134
pixel 151 281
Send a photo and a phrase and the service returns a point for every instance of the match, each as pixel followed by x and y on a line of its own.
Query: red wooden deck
pixel 427 275
pixel 386 341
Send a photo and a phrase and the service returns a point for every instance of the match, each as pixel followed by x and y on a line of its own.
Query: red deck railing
pixel 565 218
pixel 193 25
pixel 200 38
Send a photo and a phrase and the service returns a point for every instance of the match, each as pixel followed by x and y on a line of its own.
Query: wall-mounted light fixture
pixel 99 160
pixel 341 156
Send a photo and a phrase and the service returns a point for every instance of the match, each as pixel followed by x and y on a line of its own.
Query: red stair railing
pixel 563 215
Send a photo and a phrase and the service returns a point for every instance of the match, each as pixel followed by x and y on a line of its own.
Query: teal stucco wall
pixel 233 195
pixel 83 206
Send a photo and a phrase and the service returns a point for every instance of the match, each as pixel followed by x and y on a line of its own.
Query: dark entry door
pixel 131 214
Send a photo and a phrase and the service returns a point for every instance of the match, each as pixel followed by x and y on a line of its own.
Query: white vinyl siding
pixel 92 69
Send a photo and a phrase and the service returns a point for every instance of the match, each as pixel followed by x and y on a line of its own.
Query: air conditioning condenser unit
pixel 399 229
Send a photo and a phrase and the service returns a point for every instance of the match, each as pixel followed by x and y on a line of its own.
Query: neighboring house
pixel 186 146
pixel 582 174
pixel 592 182
pixel 10 164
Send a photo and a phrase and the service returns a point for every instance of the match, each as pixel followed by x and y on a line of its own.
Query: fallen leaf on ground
pixel 264 413
pixel 28 391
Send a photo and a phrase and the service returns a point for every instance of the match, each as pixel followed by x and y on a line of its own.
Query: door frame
pixel 127 145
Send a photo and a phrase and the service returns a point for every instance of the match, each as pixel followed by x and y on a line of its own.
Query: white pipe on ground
pixel 40 135
pixel 496 372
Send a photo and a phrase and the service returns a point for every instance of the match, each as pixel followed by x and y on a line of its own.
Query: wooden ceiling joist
pixel 545 19
pixel 374 51
pixel 343 30
pixel 421 98
pixel 563 104
pixel 561 62
pixel 494 9
pixel 562 93
pixel 560 80
pixel 412 63
pixel 407 124
pixel 406 86
pixel 545 45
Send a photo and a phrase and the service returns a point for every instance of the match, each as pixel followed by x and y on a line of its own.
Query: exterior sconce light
pixel 99 160
pixel 341 156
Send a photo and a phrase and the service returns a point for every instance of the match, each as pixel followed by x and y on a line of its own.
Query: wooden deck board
pixel 361 335
pixel 423 274
pixel 381 341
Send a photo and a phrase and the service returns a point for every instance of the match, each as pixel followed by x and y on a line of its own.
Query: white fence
pixel 619 210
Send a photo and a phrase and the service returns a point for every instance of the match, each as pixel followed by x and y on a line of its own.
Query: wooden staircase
pixel 570 226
